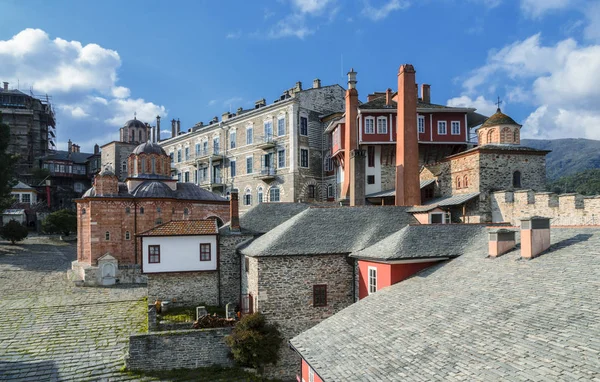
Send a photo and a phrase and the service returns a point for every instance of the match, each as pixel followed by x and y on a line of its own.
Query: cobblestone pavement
pixel 51 330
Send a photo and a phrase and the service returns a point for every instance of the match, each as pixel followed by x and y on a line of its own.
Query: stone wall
pixel 284 294
pixel 497 171
pixel 184 288
pixel 565 209
pixel 186 349
pixel 230 267
pixel 90 275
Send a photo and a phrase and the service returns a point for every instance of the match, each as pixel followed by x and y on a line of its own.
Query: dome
pixel 153 189
pixel 499 119
pixel 149 148
pixel 134 123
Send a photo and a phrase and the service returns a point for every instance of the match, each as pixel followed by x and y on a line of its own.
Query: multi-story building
pixel 32 123
pixel 270 153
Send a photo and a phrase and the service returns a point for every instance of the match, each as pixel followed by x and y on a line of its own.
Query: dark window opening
pixel 319 295
pixel 517 179
pixel 370 179
pixel 371 156
pixel 311 191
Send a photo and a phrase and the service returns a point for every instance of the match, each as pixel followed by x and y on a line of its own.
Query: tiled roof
pixel 443 241
pixel 473 319
pixel 183 228
pixel 330 230
pixel 499 118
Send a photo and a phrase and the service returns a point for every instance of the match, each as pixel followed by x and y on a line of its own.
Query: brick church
pixel 111 213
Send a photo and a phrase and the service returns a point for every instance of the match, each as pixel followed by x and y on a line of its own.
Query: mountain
pixel 568 156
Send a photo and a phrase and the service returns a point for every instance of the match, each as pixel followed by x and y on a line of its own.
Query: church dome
pixel 499 119
pixel 153 189
pixel 134 123
pixel 149 148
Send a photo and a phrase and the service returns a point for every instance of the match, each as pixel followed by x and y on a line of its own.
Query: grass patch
pixel 187 314
pixel 213 374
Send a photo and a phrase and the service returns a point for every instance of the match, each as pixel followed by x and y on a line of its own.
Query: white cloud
pixel 82 79
pixel 293 25
pixel 234 35
pixel 311 6
pixel 212 102
pixel 488 3
pixel 537 8
pixel 378 13
pixel 483 106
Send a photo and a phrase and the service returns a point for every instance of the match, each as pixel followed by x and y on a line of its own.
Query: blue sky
pixel 103 61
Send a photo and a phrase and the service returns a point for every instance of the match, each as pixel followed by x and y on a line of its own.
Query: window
pixel 246 263
pixel 370 179
pixel 372 280
pixel 247 197
pixel 249 165
pixel 516 137
pixel 127 235
pixel 205 148
pixel 186 176
pixel 327 165
pixel 311 374
pixel 268 130
pixel 107 235
pixel 465 182
pixel 259 195
pixel 153 254
pixel 421 124
pixel 458 182
pixel 172 157
pixel 26 198
pixel 83 211
pixel 281 126
pixel 216 145
pixel 186 211
pixel 319 295
pixel 436 218
pixel 517 179
pixel 124 167
pixel 153 167
pixel 205 252
pixel 232 168
pixel 187 153
pixel 369 125
pixel 304 158
pixel 274 194
pixel 311 191
pixel 179 177
pixel 281 158
pixel 127 210
pixel 490 136
pixel 197 149
pixel 442 125
pixel 382 125
pixel 158 221
pixel 141 210
pixel 455 127
pixel 178 158
pixel 371 156
pixel 303 126
pixel 329 191
pixel 249 137
pixel 232 139
pixel 158 209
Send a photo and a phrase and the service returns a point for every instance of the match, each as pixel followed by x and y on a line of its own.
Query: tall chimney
pixel 535 236
pixel 316 83
pixel 388 96
pixel 426 93
pixel 351 134
pixel 157 129
pixel 408 192
pixel 501 241
pixel 234 211
pixel 70 146
pixel 178 126
pixel 96 149
pixel 357 172
pixel 5 85
pixel 173 128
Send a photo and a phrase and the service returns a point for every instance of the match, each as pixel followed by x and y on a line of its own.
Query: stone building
pixel 269 153
pixel 111 213
pixel 32 128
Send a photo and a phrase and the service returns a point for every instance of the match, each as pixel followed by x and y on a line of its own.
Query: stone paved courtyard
pixel 51 330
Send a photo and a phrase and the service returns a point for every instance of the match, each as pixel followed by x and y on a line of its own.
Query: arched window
pixel 153 170
pixel 127 210
pixel 186 211
pixel 141 210
pixel 158 210
pixel 274 194
pixel 458 182
pixel 481 142
pixel 259 196
pixel 312 191
pixel 490 136
pixel 218 220
pixel 143 165
pixel 83 211
pixel 505 135
pixel 465 182
pixel 517 137
pixel 517 179
pixel 107 235
pixel 247 197
pixel 131 135
pixel 329 191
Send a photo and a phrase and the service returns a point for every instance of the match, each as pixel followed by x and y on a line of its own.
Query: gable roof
pixel 22 187
pixel 473 318
pixel 183 228
pixel 330 230
pixel 64 155
pixel 443 241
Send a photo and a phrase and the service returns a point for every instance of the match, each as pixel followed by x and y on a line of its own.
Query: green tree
pixel 13 231
pixel 7 162
pixel 254 342
pixel 61 221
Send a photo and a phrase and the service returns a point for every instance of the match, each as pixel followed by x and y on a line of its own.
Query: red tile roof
pixel 183 228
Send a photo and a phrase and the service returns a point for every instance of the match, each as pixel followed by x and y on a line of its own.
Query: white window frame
pixel 300 125
pixel 232 139
pixel 248 197
pixel 268 123
pixel 249 136
pixel 307 157
pixel 370 284
pixel 382 131
pixel 311 374
pixel 260 194
pixel 252 168
pixel 452 124
pixel 279 158
pixel 279 195
pixel 443 124
pixel 369 129
pixel 234 172
pixel 280 118
pixel 438 213
pixel 421 124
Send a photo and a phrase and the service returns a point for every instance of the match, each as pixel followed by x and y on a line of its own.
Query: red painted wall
pixel 340 131
pixel 387 274
pixel 304 376
pixel 379 137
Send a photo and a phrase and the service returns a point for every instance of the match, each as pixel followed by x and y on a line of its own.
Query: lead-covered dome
pixel 149 148
pixel 134 123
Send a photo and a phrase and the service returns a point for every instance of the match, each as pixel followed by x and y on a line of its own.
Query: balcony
pixel 201 155
pixel 266 173
pixel 216 154
pixel 266 142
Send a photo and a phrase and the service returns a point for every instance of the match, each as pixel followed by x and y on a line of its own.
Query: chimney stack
pixel 234 211
pixel 316 83
pixel 178 126
pixel 388 96
pixel 357 172
pixel 173 128
pixel 501 241
pixel 260 103
pixel 298 87
pixel 426 93
pixel 70 146
pixel 5 86
pixel 408 191
pixel 535 236
pixel 157 129
pixel 239 110
pixel 96 149
pixel 351 134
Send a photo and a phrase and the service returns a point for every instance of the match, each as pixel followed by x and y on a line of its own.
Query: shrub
pixel 254 343
pixel 61 221
pixel 14 231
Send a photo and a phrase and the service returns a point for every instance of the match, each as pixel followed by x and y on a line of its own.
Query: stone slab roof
pixel 63 155
pixel 387 193
pixel 265 216
pixel 473 319
pixel 184 228
pixel 158 189
pixel 443 241
pixel 454 200
pixel 330 230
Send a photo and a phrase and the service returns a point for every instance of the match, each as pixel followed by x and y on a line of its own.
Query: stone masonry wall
pixel 184 288
pixel 230 267
pixel 497 171
pixel 186 349
pixel 566 209
pixel 285 296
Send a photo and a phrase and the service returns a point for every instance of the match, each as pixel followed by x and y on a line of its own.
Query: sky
pixel 103 61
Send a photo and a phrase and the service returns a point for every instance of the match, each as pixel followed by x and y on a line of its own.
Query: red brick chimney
pixel 535 236
pixel 501 241
pixel 234 212
pixel 351 136
pixel 388 96
pixel 426 93
pixel 408 191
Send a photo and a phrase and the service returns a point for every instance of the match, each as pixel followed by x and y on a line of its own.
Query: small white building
pixel 14 214
pixel 24 193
